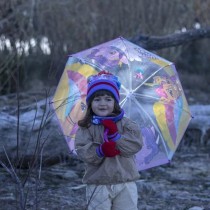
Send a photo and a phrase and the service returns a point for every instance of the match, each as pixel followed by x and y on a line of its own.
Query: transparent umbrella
pixel 151 94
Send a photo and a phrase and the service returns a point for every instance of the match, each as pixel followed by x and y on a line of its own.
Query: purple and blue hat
pixel 103 81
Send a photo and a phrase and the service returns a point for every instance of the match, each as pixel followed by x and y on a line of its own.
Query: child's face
pixel 103 105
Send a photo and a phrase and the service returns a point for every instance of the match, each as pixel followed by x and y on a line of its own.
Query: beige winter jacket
pixel 109 170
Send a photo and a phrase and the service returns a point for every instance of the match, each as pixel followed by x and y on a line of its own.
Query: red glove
pixel 111 126
pixel 107 149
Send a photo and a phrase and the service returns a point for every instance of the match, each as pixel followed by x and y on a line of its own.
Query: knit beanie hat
pixel 103 81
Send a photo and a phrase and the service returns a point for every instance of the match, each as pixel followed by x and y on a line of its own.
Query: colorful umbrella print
pixel 151 94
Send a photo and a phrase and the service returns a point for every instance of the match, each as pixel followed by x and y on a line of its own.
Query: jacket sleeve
pixel 131 139
pixel 86 147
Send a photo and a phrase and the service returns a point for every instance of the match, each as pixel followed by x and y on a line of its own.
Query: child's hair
pixel 86 121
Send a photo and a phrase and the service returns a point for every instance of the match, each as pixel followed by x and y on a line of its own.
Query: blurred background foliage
pixel 36 36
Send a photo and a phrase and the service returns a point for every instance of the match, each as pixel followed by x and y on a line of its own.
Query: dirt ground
pixel 182 184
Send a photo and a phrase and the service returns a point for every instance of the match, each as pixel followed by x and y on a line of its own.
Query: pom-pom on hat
pixel 103 81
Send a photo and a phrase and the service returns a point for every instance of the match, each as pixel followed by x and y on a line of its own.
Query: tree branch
pixel 171 40
pixel 5 22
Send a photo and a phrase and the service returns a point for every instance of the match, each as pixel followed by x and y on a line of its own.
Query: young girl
pixel 107 141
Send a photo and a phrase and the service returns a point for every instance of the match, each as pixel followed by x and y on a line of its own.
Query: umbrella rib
pixel 124 88
pixel 163 102
pixel 84 60
pixel 128 58
pixel 129 69
pixel 90 63
pixel 152 76
pixel 65 101
pixel 123 102
pixel 144 95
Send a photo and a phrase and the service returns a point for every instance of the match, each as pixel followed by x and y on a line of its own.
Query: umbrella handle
pixel 105 135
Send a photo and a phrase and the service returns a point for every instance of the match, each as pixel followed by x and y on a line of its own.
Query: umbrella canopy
pixel 151 94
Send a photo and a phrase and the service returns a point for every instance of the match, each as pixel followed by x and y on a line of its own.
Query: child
pixel 107 141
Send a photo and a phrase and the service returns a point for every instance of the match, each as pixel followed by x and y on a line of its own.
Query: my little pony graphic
pixel 168 109
pixel 109 56
pixel 151 143
pixel 169 88
pixel 72 91
pixel 75 105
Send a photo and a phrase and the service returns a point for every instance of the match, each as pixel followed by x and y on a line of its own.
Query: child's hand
pixel 107 149
pixel 111 126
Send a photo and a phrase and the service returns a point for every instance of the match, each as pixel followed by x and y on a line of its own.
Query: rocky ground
pixel 184 184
